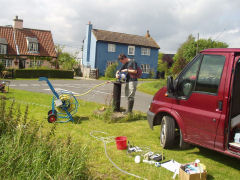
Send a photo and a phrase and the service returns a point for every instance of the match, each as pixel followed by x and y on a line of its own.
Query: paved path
pixel 102 94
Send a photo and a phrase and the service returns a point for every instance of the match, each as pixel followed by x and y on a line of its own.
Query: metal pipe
pixel 117 96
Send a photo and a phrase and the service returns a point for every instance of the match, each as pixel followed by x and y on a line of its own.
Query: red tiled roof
pixel 109 36
pixel 7 33
pixel 45 41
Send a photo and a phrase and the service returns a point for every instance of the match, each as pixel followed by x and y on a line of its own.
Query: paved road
pixel 102 94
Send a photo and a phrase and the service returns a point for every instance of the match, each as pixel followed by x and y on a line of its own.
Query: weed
pixel 27 153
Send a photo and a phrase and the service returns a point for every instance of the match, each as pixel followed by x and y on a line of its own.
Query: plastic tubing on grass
pixel 108 139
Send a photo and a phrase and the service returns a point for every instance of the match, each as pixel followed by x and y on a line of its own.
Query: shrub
pixel 36 73
pixel 111 70
pixel 77 71
pixel 151 74
pixel 2 67
pixel 28 153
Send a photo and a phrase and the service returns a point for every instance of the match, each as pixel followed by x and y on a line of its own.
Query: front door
pixel 22 63
pixel 199 99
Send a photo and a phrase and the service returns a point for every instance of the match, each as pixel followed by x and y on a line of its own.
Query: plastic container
pixel 121 142
pixel 237 138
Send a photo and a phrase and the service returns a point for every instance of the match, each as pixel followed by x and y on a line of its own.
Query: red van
pixel 202 105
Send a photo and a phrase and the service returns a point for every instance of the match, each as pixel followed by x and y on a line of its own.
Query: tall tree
pixel 188 50
pixel 67 61
pixel 162 66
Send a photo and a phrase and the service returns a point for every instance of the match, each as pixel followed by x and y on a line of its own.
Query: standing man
pixel 129 67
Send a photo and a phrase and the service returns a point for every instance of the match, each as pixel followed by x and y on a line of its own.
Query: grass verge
pixel 219 166
pixel 28 151
pixel 151 87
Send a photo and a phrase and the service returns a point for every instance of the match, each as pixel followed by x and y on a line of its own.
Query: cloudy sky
pixel 169 22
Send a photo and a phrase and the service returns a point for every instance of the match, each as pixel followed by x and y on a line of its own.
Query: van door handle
pixel 220 105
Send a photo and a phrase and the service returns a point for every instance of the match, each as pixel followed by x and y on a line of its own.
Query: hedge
pixel 36 73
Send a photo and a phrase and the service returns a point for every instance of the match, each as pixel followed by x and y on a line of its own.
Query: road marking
pixel 35 85
pixel 101 92
pixel 23 85
pixel 58 90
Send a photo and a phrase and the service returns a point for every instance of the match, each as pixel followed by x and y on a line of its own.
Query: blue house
pixel 101 48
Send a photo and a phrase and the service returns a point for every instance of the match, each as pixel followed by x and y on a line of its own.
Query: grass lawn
pixel 152 87
pixel 138 132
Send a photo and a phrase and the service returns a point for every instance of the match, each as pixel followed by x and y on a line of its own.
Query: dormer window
pixel 32 45
pixel 3 46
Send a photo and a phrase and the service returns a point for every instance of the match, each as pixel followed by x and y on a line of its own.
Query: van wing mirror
pixel 170 85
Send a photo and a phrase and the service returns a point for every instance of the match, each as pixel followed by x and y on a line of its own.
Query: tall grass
pixel 27 152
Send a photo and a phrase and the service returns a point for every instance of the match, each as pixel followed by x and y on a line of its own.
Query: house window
pixel 111 48
pixel 32 44
pixel 145 51
pixel 36 63
pixel 6 62
pixel 145 68
pixel 131 50
pixel 33 47
pixel 3 49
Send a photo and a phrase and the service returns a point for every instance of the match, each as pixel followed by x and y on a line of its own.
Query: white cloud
pixel 169 22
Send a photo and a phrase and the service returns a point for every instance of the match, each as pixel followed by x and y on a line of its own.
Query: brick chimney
pixel 17 23
pixel 147 35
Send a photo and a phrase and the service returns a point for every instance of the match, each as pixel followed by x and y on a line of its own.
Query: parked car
pixel 202 105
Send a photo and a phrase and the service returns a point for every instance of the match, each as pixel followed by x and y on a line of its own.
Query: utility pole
pixel 197 44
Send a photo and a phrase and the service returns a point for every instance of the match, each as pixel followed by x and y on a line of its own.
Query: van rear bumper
pixel 150 117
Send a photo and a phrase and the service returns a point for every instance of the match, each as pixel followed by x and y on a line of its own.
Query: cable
pixel 106 140
pixel 92 89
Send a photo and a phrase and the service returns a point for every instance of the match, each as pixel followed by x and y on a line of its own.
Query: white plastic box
pixel 237 138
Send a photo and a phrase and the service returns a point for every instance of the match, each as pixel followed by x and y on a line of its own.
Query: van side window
pixel 187 80
pixel 210 73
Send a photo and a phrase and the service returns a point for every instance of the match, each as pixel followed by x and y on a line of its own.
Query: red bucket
pixel 121 142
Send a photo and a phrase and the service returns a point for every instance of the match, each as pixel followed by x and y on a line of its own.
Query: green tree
pixel 162 66
pixel 188 50
pixel 111 70
pixel 67 61
pixel 59 51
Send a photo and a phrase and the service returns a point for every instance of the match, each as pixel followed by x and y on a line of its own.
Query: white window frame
pixel 32 47
pixel 145 51
pixel 3 49
pixel 36 63
pixel 145 68
pixel 131 50
pixel 6 62
pixel 111 47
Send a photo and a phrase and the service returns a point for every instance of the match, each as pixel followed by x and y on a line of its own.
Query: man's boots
pixel 130 106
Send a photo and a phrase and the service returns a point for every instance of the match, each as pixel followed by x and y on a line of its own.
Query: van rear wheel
pixel 167 134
